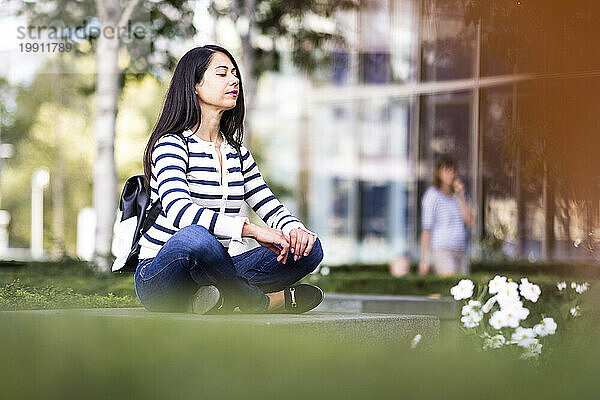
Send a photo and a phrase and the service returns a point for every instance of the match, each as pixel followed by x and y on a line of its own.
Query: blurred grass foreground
pixel 67 355
pixel 54 357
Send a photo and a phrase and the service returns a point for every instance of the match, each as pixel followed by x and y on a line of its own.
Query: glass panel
pixel 374 42
pixel 382 179
pixel 374 208
pixel 448 45
pixel 359 170
pixel 387 33
pixel 340 65
pixel 498 172
pixel 404 27
pixel 495 50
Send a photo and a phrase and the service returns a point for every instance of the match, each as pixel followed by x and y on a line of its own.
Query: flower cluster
pixel 506 313
pixel 578 287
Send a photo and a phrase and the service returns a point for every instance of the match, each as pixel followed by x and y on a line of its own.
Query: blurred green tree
pixel 116 57
pixel 107 36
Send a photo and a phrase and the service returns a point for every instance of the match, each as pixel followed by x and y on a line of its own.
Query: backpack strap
pixel 155 209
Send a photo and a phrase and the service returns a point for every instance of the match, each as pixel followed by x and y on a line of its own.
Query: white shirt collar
pixel 189 134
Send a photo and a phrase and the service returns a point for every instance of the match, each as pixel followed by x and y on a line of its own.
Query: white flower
pixel 508 295
pixel 489 304
pixel 463 290
pixel 516 306
pixel 472 314
pixel 514 315
pixel 494 342
pixel 575 311
pixel 521 312
pixel 473 306
pixel 498 320
pixel 523 336
pixel 582 288
pixel 561 285
pixel 533 350
pixel 509 315
pixel 573 285
pixel 324 271
pixel 496 284
pixel 469 321
pixel 546 327
pixel 529 290
pixel 415 341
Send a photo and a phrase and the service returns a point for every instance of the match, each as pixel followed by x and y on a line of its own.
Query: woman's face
pixel 219 86
pixel 447 176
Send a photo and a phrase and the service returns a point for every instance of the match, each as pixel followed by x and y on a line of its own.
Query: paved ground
pixel 364 318
pixel 359 327
pixel 444 308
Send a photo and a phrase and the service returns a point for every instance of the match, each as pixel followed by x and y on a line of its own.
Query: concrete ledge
pixel 373 328
pixel 444 308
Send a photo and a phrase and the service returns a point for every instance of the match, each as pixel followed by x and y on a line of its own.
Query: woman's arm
pixel 169 161
pixel 459 189
pixel 427 221
pixel 269 238
pixel 262 200
pixel 424 259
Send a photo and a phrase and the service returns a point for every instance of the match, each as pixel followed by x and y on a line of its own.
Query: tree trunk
pixel 549 211
pixel 521 209
pixel 519 199
pixel 58 246
pixel 248 61
pixel 105 176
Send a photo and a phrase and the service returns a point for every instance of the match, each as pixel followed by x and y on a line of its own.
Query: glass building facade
pixel 413 84
pixel 416 80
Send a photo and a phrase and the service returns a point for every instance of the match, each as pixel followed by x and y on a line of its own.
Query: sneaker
pixel 206 298
pixel 301 298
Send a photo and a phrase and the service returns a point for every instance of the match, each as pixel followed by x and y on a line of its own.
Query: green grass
pixel 57 357
pixel 413 284
pixel 71 283
pixel 17 296
pixel 65 284
pixel 67 274
pixel 53 356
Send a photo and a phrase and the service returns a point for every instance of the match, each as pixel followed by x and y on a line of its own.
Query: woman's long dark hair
pixel 181 110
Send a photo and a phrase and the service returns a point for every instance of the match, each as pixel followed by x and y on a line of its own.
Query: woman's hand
pixel 301 243
pixel 269 238
pixel 459 187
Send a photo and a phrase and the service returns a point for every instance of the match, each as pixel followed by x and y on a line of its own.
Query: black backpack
pixel 132 222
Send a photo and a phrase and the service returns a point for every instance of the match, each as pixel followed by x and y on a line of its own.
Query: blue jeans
pixel 193 257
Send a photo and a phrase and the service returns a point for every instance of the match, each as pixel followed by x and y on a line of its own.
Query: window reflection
pixel 448 45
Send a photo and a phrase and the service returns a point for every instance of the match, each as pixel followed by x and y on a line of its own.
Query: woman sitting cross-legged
pixel 196 165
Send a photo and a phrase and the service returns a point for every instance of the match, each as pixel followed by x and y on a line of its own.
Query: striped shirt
pixel 198 196
pixel 442 216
